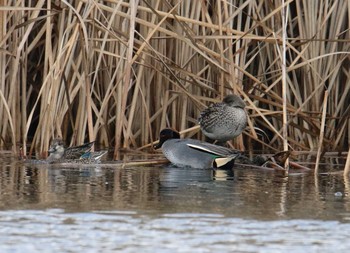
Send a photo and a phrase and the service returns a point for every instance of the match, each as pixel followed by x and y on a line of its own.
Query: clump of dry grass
pixel 119 71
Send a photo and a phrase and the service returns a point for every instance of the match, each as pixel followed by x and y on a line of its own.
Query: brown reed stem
pixel 87 89
pixel 347 165
pixel 127 80
pixel 284 81
pixel 323 121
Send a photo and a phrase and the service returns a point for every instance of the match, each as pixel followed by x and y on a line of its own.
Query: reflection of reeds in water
pixel 77 71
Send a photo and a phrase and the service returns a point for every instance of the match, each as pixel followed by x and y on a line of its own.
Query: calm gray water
pixel 166 209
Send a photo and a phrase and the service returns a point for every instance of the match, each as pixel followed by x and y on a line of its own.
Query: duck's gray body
pixel 193 153
pixel 224 121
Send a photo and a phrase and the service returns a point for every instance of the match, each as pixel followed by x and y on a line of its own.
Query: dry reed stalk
pixel 284 82
pixel 347 165
pixel 3 31
pixel 87 89
pixel 3 103
pixel 127 79
pixel 323 122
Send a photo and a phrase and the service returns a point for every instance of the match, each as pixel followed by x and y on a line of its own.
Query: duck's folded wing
pixel 77 151
pixel 95 156
pixel 214 149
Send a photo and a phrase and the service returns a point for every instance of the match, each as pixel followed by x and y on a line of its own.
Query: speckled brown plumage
pixel 224 121
pixel 77 154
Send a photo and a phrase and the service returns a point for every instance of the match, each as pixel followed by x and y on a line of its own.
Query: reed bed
pixel 119 71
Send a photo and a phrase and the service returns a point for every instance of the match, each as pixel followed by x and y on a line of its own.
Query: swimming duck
pixel 194 153
pixel 80 154
pixel 224 121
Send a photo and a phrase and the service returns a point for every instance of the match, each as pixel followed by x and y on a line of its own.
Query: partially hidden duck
pixel 78 154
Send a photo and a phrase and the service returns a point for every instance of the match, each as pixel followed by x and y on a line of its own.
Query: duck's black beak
pixel 157 146
pixel 51 150
pixel 162 139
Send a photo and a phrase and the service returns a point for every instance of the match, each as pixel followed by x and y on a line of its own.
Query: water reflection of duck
pixel 222 175
pixel 194 153
pixel 224 121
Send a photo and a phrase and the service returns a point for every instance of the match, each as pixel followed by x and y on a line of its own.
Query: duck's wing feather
pixel 77 151
pixel 214 149
pixel 224 162
pixel 209 115
pixel 96 156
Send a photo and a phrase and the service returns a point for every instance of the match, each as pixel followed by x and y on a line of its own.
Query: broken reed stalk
pixel 323 123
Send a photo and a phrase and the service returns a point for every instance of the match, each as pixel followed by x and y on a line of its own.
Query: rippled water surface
pixel 45 208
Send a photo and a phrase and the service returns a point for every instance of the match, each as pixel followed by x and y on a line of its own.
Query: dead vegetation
pixel 120 71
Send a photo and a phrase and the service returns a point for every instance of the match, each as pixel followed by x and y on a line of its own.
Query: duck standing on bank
pixel 194 153
pixel 224 121
pixel 77 154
